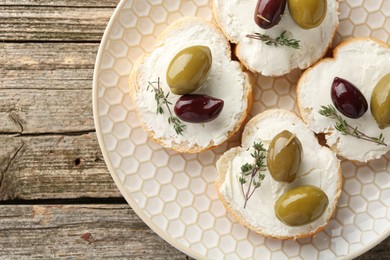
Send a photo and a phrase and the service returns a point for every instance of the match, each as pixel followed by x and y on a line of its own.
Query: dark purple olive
pixel 195 108
pixel 348 99
pixel 268 12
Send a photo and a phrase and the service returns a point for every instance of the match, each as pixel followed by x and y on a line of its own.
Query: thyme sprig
pixel 346 129
pixel 252 171
pixel 162 100
pixel 281 40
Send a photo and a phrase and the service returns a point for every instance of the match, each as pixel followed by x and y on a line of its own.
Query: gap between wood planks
pixel 55 6
pixel 49 41
pixel 21 134
pixel 79 201
pixel 61 3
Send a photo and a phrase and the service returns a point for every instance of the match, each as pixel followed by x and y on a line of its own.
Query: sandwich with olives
pixel 190 96
pixel 273 37
pixel 281 182
pixel 347 98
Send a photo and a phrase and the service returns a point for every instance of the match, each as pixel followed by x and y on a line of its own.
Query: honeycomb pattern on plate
pixel 174 193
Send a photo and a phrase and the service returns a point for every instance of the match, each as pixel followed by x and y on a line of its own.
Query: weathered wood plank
pixel 47 65
pixel 71 3
pixel 33 56
pixel 79 231
pixel 43 23
pixel 53 167
pixel 45 111
pixel 46 87
pixel 60 78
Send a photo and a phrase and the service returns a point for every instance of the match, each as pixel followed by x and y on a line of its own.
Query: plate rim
pixel 146 219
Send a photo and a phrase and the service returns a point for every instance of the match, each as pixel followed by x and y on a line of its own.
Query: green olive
pixel 380 102
pixel 301 205
pixel 307 13
pixel 189 69
pixel 284 156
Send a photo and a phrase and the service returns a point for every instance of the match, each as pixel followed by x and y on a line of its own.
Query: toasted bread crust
pixel 223 165
pixel 184 147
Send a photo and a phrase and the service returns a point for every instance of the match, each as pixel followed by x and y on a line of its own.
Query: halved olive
pixel 307 13
pixel 284 156
pixel 301 205
pixel 380 102
pixel 189 69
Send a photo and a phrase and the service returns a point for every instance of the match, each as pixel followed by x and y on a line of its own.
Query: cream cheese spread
pixel 226 81
pixel 235 18
pixel 363 62
pixel 319 167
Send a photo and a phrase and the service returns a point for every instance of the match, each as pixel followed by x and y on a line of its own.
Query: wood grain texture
pixel 53 167
pixel 61 3
pixel 45 111
pixel 78 232
pixel 41 78
pixel 47 56
pixel 42 66
pixel 46 87
pixel 53 23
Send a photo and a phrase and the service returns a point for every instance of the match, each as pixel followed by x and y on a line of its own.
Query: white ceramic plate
pixel 174 193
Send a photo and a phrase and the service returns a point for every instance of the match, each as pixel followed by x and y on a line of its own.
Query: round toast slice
pixel 236 19
pixel 226 81
pixel 363 62
pixel 319 167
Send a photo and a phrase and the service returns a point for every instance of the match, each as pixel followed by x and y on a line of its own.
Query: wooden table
pixel 57 197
